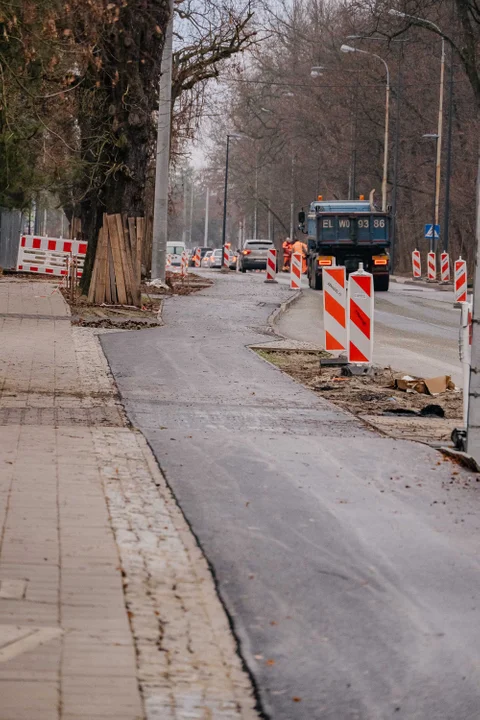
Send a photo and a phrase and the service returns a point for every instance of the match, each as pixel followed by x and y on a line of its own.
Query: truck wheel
pixel 315 281
pixel 381 283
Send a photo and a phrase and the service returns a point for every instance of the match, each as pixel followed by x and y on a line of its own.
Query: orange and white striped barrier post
pixel 360 317
pixel 226 257
pixel 460 286
pixel 445 267
pixel 335 308
pixel 432 266
pixel 271 265
pixel 184 263
pixel 198 258
pixel 416 264
pixel 296 271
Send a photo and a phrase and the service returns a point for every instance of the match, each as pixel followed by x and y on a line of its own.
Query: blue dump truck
pixel 346 232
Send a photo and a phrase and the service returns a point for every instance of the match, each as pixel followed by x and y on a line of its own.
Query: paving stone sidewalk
pixel 107 605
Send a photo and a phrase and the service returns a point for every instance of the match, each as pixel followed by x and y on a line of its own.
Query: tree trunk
pixel 118 99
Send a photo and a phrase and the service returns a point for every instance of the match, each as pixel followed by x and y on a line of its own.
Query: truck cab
pixel 347 232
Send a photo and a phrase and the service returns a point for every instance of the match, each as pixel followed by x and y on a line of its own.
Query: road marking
pixel 17 639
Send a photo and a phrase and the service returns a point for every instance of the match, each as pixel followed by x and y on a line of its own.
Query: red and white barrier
pixel 460 283
pixel 360 317
pixel 445 267
pixel 335 308
pixel 198 258
pixel 416 264
pixel 226 257
pixel 432 266
pixel 271 265
pixel 296 271
pixel 49 256
pixel 184 264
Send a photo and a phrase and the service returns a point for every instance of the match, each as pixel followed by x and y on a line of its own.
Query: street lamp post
pixel 162 158
pixel 428 23
pixel 347 49
pixel 207 202
pixel 433 136
pixel 225 195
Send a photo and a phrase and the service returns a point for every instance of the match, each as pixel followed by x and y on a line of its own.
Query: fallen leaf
pixel 273 622
pixel 297 699
pixel 270 662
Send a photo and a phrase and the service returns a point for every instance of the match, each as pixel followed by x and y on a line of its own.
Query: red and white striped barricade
pixel 198 257
pixel 271 265
pixel 335 308
pixel 360 317
pixel 296 271
pixel 432 266
pixel 49 256
pixel 226 257
pixel 460 286
pixel 416 264
pixel 445 267
pixel 184 264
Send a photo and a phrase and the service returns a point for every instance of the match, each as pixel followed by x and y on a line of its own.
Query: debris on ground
pixel 128 317
pixel 375 398
pixel 425 386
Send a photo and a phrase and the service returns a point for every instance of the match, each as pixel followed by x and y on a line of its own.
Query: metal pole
pixel 393 248
pixel 292 200
pixel 473 428
pixel 385 150
pixel 255 209
pixel 448 172
pixel 225 197
pixel 207 199
pixel 439 143
pixel 353 166
pixel 190 224
pixel 432 239
pixel 160 206
pixel 185 195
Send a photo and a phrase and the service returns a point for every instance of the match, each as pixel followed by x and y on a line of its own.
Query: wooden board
pixel 132 236
pixel 111 278
pixel 101 258
pixel 117 257
pixel 140 242
pixel 126 260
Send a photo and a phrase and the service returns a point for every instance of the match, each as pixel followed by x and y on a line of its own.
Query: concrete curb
pixel 420 283
pixel 278 312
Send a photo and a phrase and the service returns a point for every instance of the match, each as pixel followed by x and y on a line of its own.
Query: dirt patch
pixel 374 399
pixel 125 317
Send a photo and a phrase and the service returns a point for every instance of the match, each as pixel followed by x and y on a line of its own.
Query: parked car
pixel 253 255
pixel 216 259
pixel 203 252
pixel 206 259
pixel 233 260
pixel 174 252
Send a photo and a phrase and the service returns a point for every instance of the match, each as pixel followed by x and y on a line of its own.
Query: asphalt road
pixel 416 328
pixel 348 562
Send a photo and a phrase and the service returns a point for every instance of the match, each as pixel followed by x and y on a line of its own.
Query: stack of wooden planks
pixel 117 268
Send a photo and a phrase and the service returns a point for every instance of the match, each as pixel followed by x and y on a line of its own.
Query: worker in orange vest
pixel 301 248
pixel 287 254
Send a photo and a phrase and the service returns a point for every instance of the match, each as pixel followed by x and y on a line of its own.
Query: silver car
pixel 253 255
pixel 216 259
